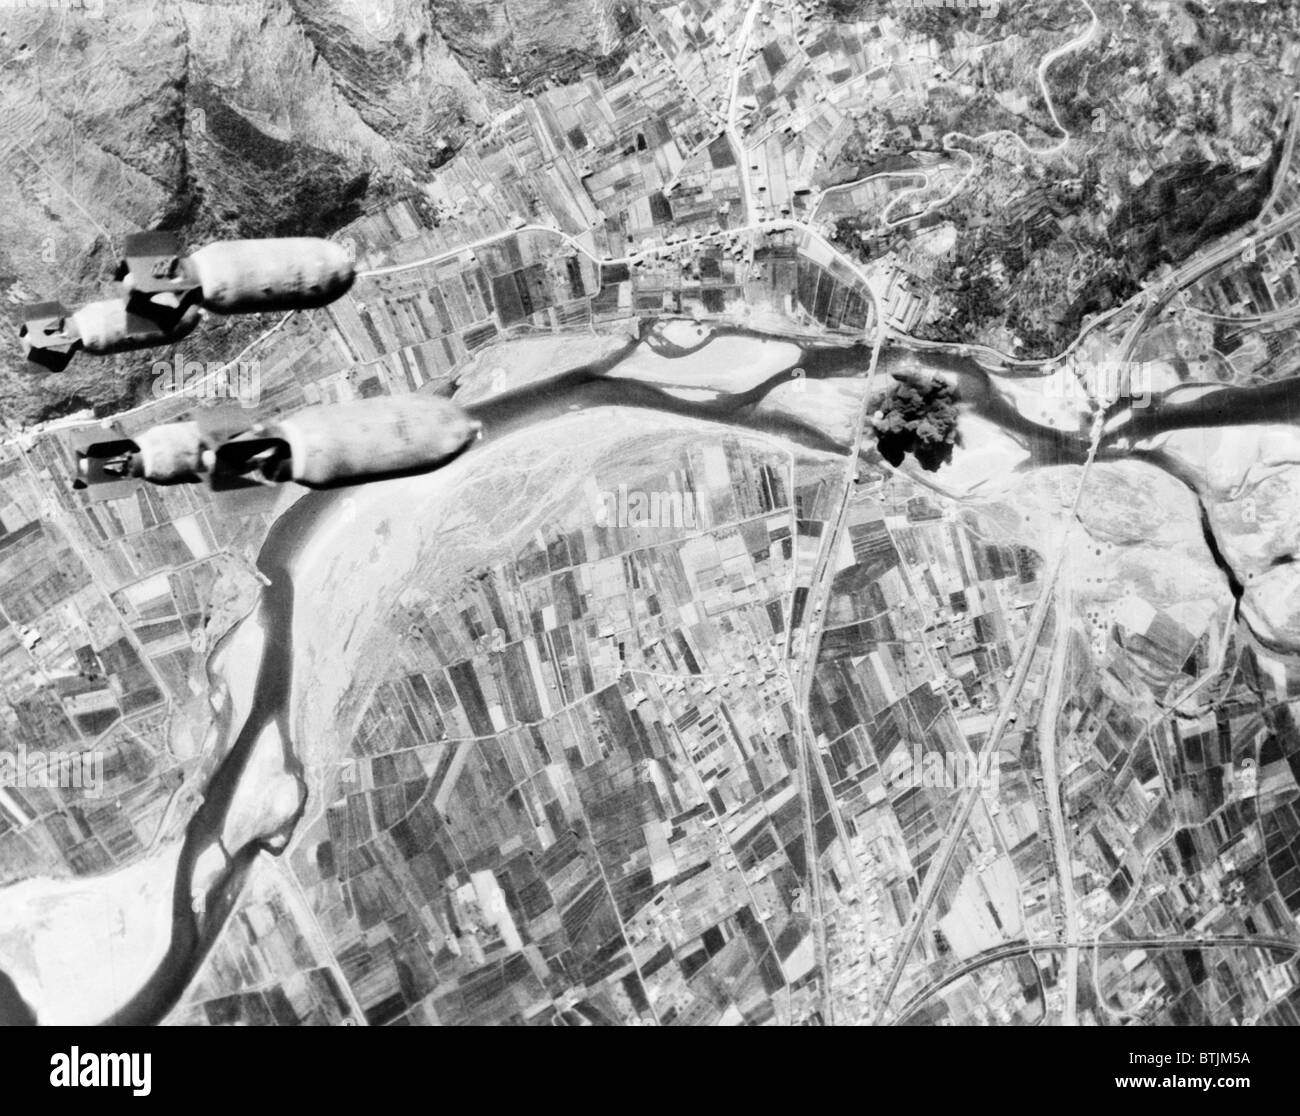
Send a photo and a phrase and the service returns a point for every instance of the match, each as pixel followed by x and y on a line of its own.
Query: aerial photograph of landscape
pixel 683 512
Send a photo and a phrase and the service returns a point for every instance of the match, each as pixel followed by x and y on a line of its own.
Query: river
pixel 582 389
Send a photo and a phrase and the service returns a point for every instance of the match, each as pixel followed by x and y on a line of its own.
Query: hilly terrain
pixel 271 118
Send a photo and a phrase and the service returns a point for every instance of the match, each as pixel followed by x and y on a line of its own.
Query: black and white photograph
pixel 650 513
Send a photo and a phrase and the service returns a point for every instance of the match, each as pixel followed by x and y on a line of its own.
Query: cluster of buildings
pixel 1185 831
pixel 576 797
pixel 578 794
pixel 105 605
pixel 1234 325
pixel 112 594
pixel 573 798
pixel 924 620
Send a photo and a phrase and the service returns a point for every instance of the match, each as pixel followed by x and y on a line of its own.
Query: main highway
pixel 1048 748
pixel 1006 709
pixel 1012 950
